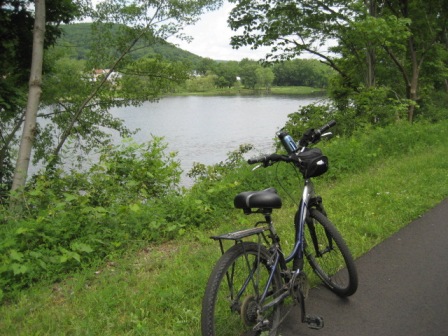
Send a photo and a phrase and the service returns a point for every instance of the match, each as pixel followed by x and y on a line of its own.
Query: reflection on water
pixel 205 129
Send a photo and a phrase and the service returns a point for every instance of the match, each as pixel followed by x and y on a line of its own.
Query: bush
pixel 71 220
pixel 369 145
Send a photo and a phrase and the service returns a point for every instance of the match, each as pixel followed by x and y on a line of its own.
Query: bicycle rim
pixel 231 303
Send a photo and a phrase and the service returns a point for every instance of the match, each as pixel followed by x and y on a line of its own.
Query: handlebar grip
pixel 267 159
pixel 256 160
pixel 326 127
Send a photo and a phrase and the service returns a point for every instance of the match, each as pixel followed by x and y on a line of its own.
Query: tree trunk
pixel 371 59
pixel 413 84
pixel 371 53
pixel 35 83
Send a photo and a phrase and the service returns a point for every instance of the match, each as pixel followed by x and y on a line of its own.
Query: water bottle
pixel 288 142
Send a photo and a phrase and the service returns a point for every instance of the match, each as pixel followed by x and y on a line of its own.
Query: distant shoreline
pixel 276 90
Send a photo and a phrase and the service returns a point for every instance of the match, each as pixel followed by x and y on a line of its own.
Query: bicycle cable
pixel 282 186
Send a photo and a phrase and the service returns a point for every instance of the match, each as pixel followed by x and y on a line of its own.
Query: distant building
pixel 113 76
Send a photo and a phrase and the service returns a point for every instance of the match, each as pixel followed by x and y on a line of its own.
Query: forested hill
pixel 78 37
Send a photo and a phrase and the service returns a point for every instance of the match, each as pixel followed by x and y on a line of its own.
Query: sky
pixel 211 38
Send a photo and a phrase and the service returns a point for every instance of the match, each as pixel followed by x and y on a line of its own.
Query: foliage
pixel 366 145
pixel 78 38
pixel 302 72
pixel 226 73
pixel 390 44
pixel 76 103
pixel 248 73
pixel 78 218
pixel 201 83
pixel 131 197
pixel 265 78
pixel 149 78
pixel 372 107
pixel 16 29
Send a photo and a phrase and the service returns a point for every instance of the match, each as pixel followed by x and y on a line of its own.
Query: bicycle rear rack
pixel 238 236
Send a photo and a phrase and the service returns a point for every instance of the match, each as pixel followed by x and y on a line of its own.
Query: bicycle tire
pixel 225 311
pixel 333 263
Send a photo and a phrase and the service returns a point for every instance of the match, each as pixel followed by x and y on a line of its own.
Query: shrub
pixel 71 220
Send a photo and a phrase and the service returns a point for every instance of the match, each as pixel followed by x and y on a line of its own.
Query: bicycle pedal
pixel 315 322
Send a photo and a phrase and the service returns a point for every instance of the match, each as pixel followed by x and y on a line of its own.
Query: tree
pixel 124 24
pixel 427 24
pixel 400 39
pixel 35 83
pixel 205 65
pixel 371 36
pixel 119 26
pixel 201 83
pixel 265 78
pixel 302 72
pixel 16 36
pixel 248 73
pixel 290 27
pixel 226 73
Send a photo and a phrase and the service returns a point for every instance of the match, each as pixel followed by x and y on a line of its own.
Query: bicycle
pixel 248 287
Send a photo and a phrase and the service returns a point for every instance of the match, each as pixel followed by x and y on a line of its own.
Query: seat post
pixel 268 218
pixel 274 236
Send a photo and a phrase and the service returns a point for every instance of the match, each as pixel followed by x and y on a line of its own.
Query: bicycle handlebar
pixel 267 160
pixel 311 136
pixel 326 127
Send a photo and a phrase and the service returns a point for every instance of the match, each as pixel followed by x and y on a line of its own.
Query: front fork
pixel 316 202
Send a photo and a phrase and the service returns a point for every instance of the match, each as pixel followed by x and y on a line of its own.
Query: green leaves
pixel 380 31
pixel 74 218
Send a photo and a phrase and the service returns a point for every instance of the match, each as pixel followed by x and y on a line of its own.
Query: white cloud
pixel 211 38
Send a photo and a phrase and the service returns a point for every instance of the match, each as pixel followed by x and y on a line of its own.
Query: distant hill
pixel 78 37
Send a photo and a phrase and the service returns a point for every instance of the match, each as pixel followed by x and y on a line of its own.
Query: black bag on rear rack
pixel 312 162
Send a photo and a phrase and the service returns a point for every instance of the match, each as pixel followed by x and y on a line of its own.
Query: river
pixel 205 129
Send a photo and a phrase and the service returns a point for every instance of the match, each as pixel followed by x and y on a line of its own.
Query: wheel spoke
pixel 231 304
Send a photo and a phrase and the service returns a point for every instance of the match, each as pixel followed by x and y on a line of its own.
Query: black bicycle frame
pixel 299 220
pixel 297 252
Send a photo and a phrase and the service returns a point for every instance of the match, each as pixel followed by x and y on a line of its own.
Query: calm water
pixel 205 129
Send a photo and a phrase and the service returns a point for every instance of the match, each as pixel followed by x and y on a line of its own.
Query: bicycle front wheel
pixel 329 255
pixel 231 304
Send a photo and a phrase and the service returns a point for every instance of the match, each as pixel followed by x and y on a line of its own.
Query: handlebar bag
pixel 312 162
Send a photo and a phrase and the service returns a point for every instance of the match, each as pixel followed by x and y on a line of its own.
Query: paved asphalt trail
pixel 403 287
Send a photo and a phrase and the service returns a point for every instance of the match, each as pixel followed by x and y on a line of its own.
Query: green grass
pixel 276 90
pixel 158 291
pixel 296 90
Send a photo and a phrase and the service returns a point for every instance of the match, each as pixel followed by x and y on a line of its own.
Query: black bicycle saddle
pixel 265 199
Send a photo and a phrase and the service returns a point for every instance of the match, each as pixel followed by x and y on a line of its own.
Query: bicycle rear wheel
pixel 329 255
pixel 231 302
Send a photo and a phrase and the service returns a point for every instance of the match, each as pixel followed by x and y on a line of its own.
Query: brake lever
pixel 328 134
pixel 256 167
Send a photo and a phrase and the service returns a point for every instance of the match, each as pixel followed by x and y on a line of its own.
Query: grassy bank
pixel 158 290
pixel 281 90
